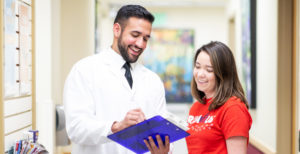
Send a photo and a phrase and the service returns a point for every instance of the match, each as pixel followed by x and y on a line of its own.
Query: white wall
pixel 64 34
pixel 56 51
pixel 233 10
pixel 209 23
pixel 77 32
pixel 264 119
pixel 43 63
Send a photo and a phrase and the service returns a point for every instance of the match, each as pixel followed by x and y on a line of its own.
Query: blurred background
pixel 263 35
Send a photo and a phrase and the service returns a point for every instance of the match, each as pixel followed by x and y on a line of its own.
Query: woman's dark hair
pixel 128 11
pixel 227 81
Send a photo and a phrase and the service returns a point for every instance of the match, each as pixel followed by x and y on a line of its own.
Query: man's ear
pixel 117 30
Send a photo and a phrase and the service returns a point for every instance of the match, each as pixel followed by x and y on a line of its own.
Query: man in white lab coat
pixel 110 91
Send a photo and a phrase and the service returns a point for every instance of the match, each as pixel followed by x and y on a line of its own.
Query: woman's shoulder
pixel 234 101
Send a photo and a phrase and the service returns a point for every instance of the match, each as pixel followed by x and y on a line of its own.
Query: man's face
pixel 133 38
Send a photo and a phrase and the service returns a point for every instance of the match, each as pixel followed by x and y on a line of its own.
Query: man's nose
pixel 140 43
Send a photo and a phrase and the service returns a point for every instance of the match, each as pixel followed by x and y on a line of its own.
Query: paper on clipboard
pixel 133 136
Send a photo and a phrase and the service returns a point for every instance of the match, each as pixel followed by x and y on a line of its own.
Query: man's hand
pixel 132 117
pixel 161 149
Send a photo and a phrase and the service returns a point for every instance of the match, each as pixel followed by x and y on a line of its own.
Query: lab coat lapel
pixel 117 73
pixel 138 77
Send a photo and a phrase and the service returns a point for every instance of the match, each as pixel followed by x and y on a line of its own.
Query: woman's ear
pixel 117 30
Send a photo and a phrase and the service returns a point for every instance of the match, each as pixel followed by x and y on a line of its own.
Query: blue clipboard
pixel 133 136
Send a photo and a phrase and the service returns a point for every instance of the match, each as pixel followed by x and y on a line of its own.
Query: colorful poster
pixel 170 54
pixel 248 51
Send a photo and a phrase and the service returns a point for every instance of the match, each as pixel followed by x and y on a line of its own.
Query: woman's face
pixel 204 75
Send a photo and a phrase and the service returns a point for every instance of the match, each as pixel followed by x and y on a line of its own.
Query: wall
pixel 56 51
pixel 208 23
pixel 76 33
pixel 44 102
pixel 263 131
pixel 64 34
pixel 264 122
pixel 233 12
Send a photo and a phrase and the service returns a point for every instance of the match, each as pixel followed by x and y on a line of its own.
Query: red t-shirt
pixel 210 129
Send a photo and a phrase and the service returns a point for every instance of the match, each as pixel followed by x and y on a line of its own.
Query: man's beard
pixel 124 51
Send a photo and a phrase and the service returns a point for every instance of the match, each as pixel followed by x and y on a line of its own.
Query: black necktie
pixel 128 74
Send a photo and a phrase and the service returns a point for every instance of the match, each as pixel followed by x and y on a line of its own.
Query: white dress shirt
pixel 96 94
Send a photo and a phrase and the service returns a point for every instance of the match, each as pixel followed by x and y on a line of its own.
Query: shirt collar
pixel 117 60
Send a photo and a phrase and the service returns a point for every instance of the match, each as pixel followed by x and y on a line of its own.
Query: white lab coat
pixel 96 94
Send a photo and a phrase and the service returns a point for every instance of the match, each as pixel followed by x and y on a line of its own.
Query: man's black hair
pixel 128 11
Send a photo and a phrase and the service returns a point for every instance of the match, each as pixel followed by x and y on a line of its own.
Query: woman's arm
pixel 236 145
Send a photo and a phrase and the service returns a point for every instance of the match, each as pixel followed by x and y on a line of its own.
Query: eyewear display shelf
pixel 17 93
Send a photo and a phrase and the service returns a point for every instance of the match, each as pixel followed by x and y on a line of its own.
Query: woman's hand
pixel 161 149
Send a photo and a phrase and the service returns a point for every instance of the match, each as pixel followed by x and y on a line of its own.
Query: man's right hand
pixel 132 117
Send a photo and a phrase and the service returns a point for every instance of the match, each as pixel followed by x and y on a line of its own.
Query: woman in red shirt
pixel 219 121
